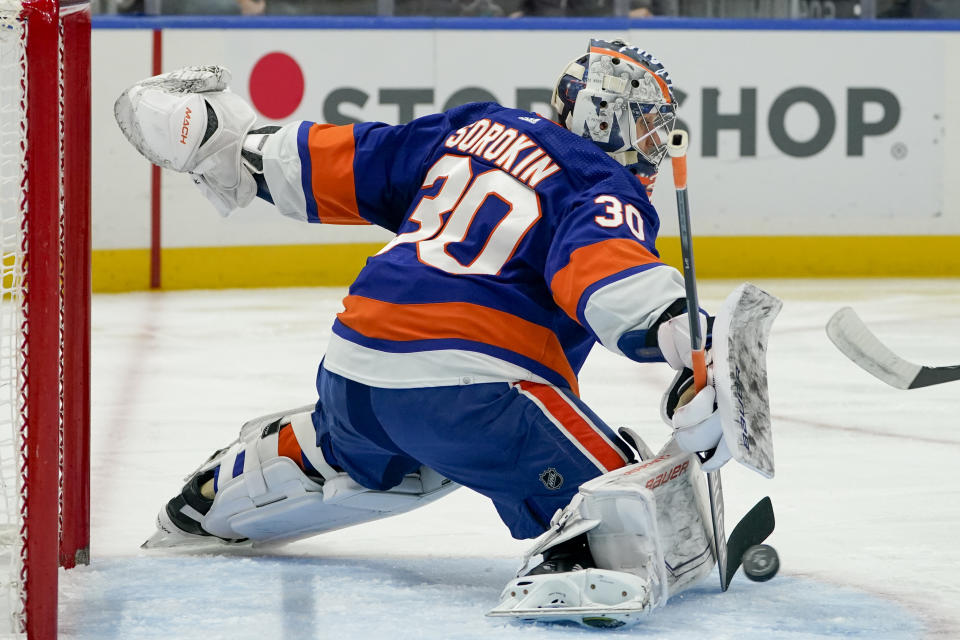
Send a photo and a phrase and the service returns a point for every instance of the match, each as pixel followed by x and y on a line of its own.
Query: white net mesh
pixel 12 205
pixel 61 242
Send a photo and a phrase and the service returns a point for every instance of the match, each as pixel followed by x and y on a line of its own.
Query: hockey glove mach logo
pixel 185 128
pixel 189 121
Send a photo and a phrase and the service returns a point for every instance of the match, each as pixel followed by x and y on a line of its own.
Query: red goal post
pixel 45 306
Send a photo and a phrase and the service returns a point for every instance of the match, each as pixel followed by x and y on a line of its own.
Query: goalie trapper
pixel 189 121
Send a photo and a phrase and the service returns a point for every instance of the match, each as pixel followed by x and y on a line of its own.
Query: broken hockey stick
pixel 852 337
pixel 677 148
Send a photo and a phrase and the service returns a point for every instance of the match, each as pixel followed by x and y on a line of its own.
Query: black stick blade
pixel 753 528
pixel 935 375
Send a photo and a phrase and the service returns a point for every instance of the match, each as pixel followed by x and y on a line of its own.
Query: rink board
pixel 815 151
pixel 716 257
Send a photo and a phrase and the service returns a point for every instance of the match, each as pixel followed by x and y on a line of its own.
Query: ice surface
pixel 369 598
pixel 867 499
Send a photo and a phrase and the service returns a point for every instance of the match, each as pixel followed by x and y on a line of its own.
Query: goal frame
pixel 55 493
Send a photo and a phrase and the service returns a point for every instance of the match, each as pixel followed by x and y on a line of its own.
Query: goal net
pixel 45 305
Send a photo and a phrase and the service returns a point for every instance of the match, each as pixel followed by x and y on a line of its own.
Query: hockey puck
pixel 760 562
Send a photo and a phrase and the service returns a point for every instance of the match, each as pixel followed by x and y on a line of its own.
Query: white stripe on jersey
pixel 281 168
pixel 440 368
pixel 634 302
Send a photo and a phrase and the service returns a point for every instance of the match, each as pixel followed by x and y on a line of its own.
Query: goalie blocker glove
pixel 695 419
pixel 673 339
pixel 694 416
pixel 189 121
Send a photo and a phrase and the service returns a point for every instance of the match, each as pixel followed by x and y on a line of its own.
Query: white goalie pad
pixel 264 497
pixel 680 551
pixel 740 335
pixel 251 429
pixel 292 506
pixel 648 529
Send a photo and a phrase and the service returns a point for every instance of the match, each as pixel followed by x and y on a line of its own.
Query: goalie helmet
pixel 621 98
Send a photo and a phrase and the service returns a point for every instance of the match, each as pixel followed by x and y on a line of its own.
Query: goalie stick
pixel 852 337
pixel 677 148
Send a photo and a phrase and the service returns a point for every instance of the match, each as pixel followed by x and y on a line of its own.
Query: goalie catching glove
pixel 189 121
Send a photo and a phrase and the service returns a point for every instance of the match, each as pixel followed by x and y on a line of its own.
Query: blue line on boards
pixel 512 24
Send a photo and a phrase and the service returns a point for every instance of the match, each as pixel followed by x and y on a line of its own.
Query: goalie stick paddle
pixel 753 528
pixel 852 337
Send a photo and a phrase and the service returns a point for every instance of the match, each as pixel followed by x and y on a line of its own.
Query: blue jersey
pixel 519 245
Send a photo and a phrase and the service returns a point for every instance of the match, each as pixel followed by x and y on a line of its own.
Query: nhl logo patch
pixel 551 479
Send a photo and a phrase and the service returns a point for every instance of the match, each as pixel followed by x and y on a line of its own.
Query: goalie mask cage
pixel 45 307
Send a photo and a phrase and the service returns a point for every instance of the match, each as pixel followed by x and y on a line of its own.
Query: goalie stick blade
pixel 753 528
pixel 852 337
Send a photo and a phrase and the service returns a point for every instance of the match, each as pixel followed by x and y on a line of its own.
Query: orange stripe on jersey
pixel 592 263
pixel 458 321
pixel 331 161
pixel 575 426
pixel 288 447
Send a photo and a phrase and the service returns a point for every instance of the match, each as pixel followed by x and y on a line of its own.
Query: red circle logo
pixel 276 85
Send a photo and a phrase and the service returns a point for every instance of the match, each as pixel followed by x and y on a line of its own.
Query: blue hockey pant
pixel 526 446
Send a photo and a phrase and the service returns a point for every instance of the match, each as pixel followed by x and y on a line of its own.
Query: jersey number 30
pixel 462 195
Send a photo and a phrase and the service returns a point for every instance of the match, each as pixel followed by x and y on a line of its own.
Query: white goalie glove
pixel 694 416
pixel 673 339
pixel 189 121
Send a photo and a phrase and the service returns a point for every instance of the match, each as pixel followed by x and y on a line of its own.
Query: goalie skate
pixel 169 536
pixel 590 597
